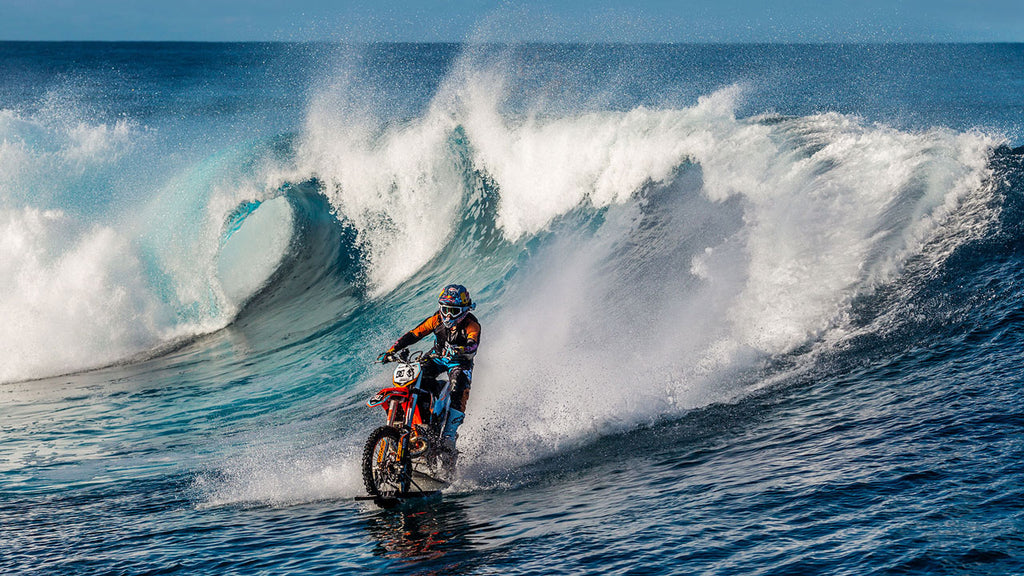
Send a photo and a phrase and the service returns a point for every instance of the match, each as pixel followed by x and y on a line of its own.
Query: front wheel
pixel 384 473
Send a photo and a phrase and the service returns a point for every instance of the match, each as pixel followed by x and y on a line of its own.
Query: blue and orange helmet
pixel 455 303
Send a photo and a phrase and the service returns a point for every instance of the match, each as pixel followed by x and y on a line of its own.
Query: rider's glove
pixel 385 357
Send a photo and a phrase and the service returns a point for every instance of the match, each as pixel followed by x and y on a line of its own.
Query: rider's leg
pixel 429 383
pixel 461 379
pixel 431 371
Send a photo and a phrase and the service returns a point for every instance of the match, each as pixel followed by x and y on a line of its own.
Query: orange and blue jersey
pixel 465 334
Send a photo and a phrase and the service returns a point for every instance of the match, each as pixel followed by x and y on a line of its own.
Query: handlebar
pixel 405 356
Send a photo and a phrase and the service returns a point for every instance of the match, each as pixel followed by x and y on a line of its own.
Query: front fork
pixel 405 428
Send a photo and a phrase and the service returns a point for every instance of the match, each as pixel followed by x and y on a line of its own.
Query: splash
pixel 289 477
pixel 724 243
pixel 63 289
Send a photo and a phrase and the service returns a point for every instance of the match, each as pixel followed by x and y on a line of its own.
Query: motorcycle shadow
pixel 415 531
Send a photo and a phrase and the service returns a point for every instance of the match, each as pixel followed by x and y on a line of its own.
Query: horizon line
pixel 534 42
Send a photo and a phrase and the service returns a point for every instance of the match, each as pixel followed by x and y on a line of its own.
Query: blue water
pixel 746 309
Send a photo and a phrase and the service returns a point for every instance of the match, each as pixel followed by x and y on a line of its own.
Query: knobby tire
pixel 373 476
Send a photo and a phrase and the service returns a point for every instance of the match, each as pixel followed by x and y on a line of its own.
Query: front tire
pixel 384 474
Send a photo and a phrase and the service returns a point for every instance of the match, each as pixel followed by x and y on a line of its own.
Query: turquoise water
pixel 746 309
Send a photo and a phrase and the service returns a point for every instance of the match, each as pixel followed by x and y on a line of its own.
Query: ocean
pixel 746 309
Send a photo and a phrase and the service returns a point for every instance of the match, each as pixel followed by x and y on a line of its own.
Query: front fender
pixel 388 394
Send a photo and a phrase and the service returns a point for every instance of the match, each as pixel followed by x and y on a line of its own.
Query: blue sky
pixel 553 20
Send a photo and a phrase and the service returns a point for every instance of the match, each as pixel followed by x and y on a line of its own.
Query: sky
pixel 524 20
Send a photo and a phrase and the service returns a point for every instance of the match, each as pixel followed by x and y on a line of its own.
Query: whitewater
pixel 746 309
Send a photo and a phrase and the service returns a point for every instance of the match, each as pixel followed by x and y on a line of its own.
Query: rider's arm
pixel 471 329
pixel 472 336
pixel 416 334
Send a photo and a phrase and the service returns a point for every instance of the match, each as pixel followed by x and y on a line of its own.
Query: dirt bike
pixel 406 457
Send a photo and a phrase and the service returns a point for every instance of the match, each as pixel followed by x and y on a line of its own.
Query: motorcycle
pixel 406 456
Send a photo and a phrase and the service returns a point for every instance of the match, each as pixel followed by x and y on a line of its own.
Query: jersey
pixel 465 334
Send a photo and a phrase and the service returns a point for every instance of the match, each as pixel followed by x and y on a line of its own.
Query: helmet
pixel 455 304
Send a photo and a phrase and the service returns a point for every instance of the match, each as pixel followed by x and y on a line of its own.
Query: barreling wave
pixel 641 261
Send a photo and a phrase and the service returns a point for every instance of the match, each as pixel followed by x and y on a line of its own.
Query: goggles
pixel 452 311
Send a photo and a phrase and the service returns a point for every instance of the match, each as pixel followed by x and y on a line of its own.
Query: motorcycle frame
pixel 392 400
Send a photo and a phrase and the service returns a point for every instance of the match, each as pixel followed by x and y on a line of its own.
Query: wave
pixel 752 247
pixel 629 263
pixel 630 266
pixel 658 253
pixel 105 256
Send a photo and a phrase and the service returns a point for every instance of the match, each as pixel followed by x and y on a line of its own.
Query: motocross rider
pixel 456 337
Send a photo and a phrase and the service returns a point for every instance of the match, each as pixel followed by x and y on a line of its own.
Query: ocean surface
pixel 752 309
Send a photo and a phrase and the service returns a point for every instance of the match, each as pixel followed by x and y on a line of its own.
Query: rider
pixel 456 337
